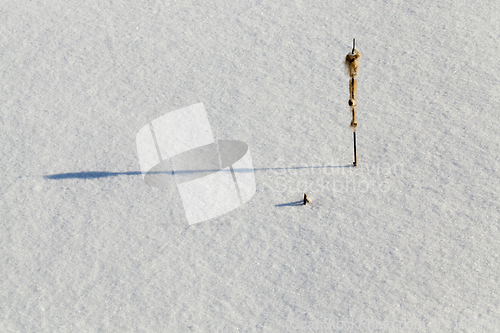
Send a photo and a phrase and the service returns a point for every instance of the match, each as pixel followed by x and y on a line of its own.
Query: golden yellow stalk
pixel 352 66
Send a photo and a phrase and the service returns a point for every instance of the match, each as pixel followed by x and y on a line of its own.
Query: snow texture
pixel 407 241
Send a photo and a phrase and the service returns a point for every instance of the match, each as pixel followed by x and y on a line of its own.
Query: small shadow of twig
pixel 296 203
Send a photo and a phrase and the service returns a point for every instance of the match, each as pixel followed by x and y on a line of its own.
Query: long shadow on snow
pixel 102 174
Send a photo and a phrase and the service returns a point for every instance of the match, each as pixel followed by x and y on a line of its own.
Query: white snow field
pixel 408 241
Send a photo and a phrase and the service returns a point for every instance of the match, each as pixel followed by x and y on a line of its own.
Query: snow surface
pixel 407 241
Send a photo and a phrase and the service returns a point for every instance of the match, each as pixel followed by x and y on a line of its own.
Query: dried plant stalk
pixel 352 66
pixel 352 63
pixel 352 102
pixel 352 91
